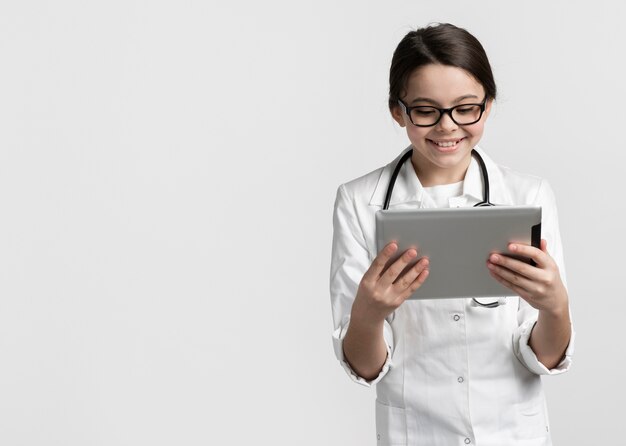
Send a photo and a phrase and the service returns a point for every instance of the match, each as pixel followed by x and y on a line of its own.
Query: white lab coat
pixel 456 373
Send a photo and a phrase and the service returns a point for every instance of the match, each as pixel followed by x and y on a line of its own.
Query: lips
pixel 446 144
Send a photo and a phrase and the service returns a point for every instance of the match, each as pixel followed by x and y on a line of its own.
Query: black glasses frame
pixel 441 111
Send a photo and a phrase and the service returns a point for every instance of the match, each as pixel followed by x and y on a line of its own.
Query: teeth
pixel 446 144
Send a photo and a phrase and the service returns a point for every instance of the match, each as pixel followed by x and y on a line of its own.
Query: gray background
pixel 167 177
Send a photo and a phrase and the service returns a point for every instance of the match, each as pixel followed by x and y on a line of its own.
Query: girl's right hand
pixel 382 291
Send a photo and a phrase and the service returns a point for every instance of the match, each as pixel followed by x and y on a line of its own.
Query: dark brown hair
pixel 443 44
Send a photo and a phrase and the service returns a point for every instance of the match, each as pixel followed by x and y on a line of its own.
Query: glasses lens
pixel 424 115
pixel 466 114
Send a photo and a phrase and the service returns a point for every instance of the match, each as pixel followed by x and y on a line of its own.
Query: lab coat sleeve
pixel 527 315
pixel 350 260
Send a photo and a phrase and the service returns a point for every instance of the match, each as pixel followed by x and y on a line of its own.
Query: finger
pixel 406 279
pixel 394 271
pixel 419 280
pixel 379 263
pixel 510 276
pixel 540 257
pixel 544 245
pixel 515 288
pixel 516 265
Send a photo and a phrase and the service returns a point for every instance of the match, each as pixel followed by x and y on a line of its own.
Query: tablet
pixel 458 242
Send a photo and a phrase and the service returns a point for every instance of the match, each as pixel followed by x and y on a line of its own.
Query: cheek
pixel 417 133
pixel 475 130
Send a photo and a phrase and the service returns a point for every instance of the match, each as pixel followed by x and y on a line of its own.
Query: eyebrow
pixel 457 100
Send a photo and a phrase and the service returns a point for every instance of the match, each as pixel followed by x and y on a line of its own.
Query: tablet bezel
pixel 458 242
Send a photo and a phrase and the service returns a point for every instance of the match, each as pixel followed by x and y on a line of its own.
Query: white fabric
pixel 442 193
pixel 455 372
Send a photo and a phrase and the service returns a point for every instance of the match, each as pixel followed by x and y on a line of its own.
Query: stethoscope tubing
pixel 407 155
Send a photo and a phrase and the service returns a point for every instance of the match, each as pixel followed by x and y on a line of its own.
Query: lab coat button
pixel 460 379
pixel 468 441
pixel 378 436
pixel 457 317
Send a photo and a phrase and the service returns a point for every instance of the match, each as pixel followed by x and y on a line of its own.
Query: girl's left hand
pixel 539 285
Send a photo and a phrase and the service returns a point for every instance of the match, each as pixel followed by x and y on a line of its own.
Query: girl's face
pixel 442 153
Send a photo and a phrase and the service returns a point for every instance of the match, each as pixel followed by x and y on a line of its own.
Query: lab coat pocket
pixel 390 425
pixel 533 422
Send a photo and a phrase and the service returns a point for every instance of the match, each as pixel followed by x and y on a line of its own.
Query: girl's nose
pixel 446 123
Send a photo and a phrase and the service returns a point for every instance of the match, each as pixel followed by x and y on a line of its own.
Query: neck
pixel 430 174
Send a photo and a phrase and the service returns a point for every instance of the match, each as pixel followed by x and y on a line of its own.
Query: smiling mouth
pixel 446 144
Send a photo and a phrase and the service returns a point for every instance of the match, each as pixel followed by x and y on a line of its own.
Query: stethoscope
pixel 485 202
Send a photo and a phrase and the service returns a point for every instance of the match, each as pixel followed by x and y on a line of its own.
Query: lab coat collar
pixel 408 188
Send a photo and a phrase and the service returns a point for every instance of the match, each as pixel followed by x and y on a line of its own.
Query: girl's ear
pixel 488 105
pixel 398 115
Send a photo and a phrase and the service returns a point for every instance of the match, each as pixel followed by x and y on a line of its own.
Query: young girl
pixel 448 371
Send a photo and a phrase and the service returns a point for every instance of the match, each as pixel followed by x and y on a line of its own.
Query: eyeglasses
pixel 427 116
